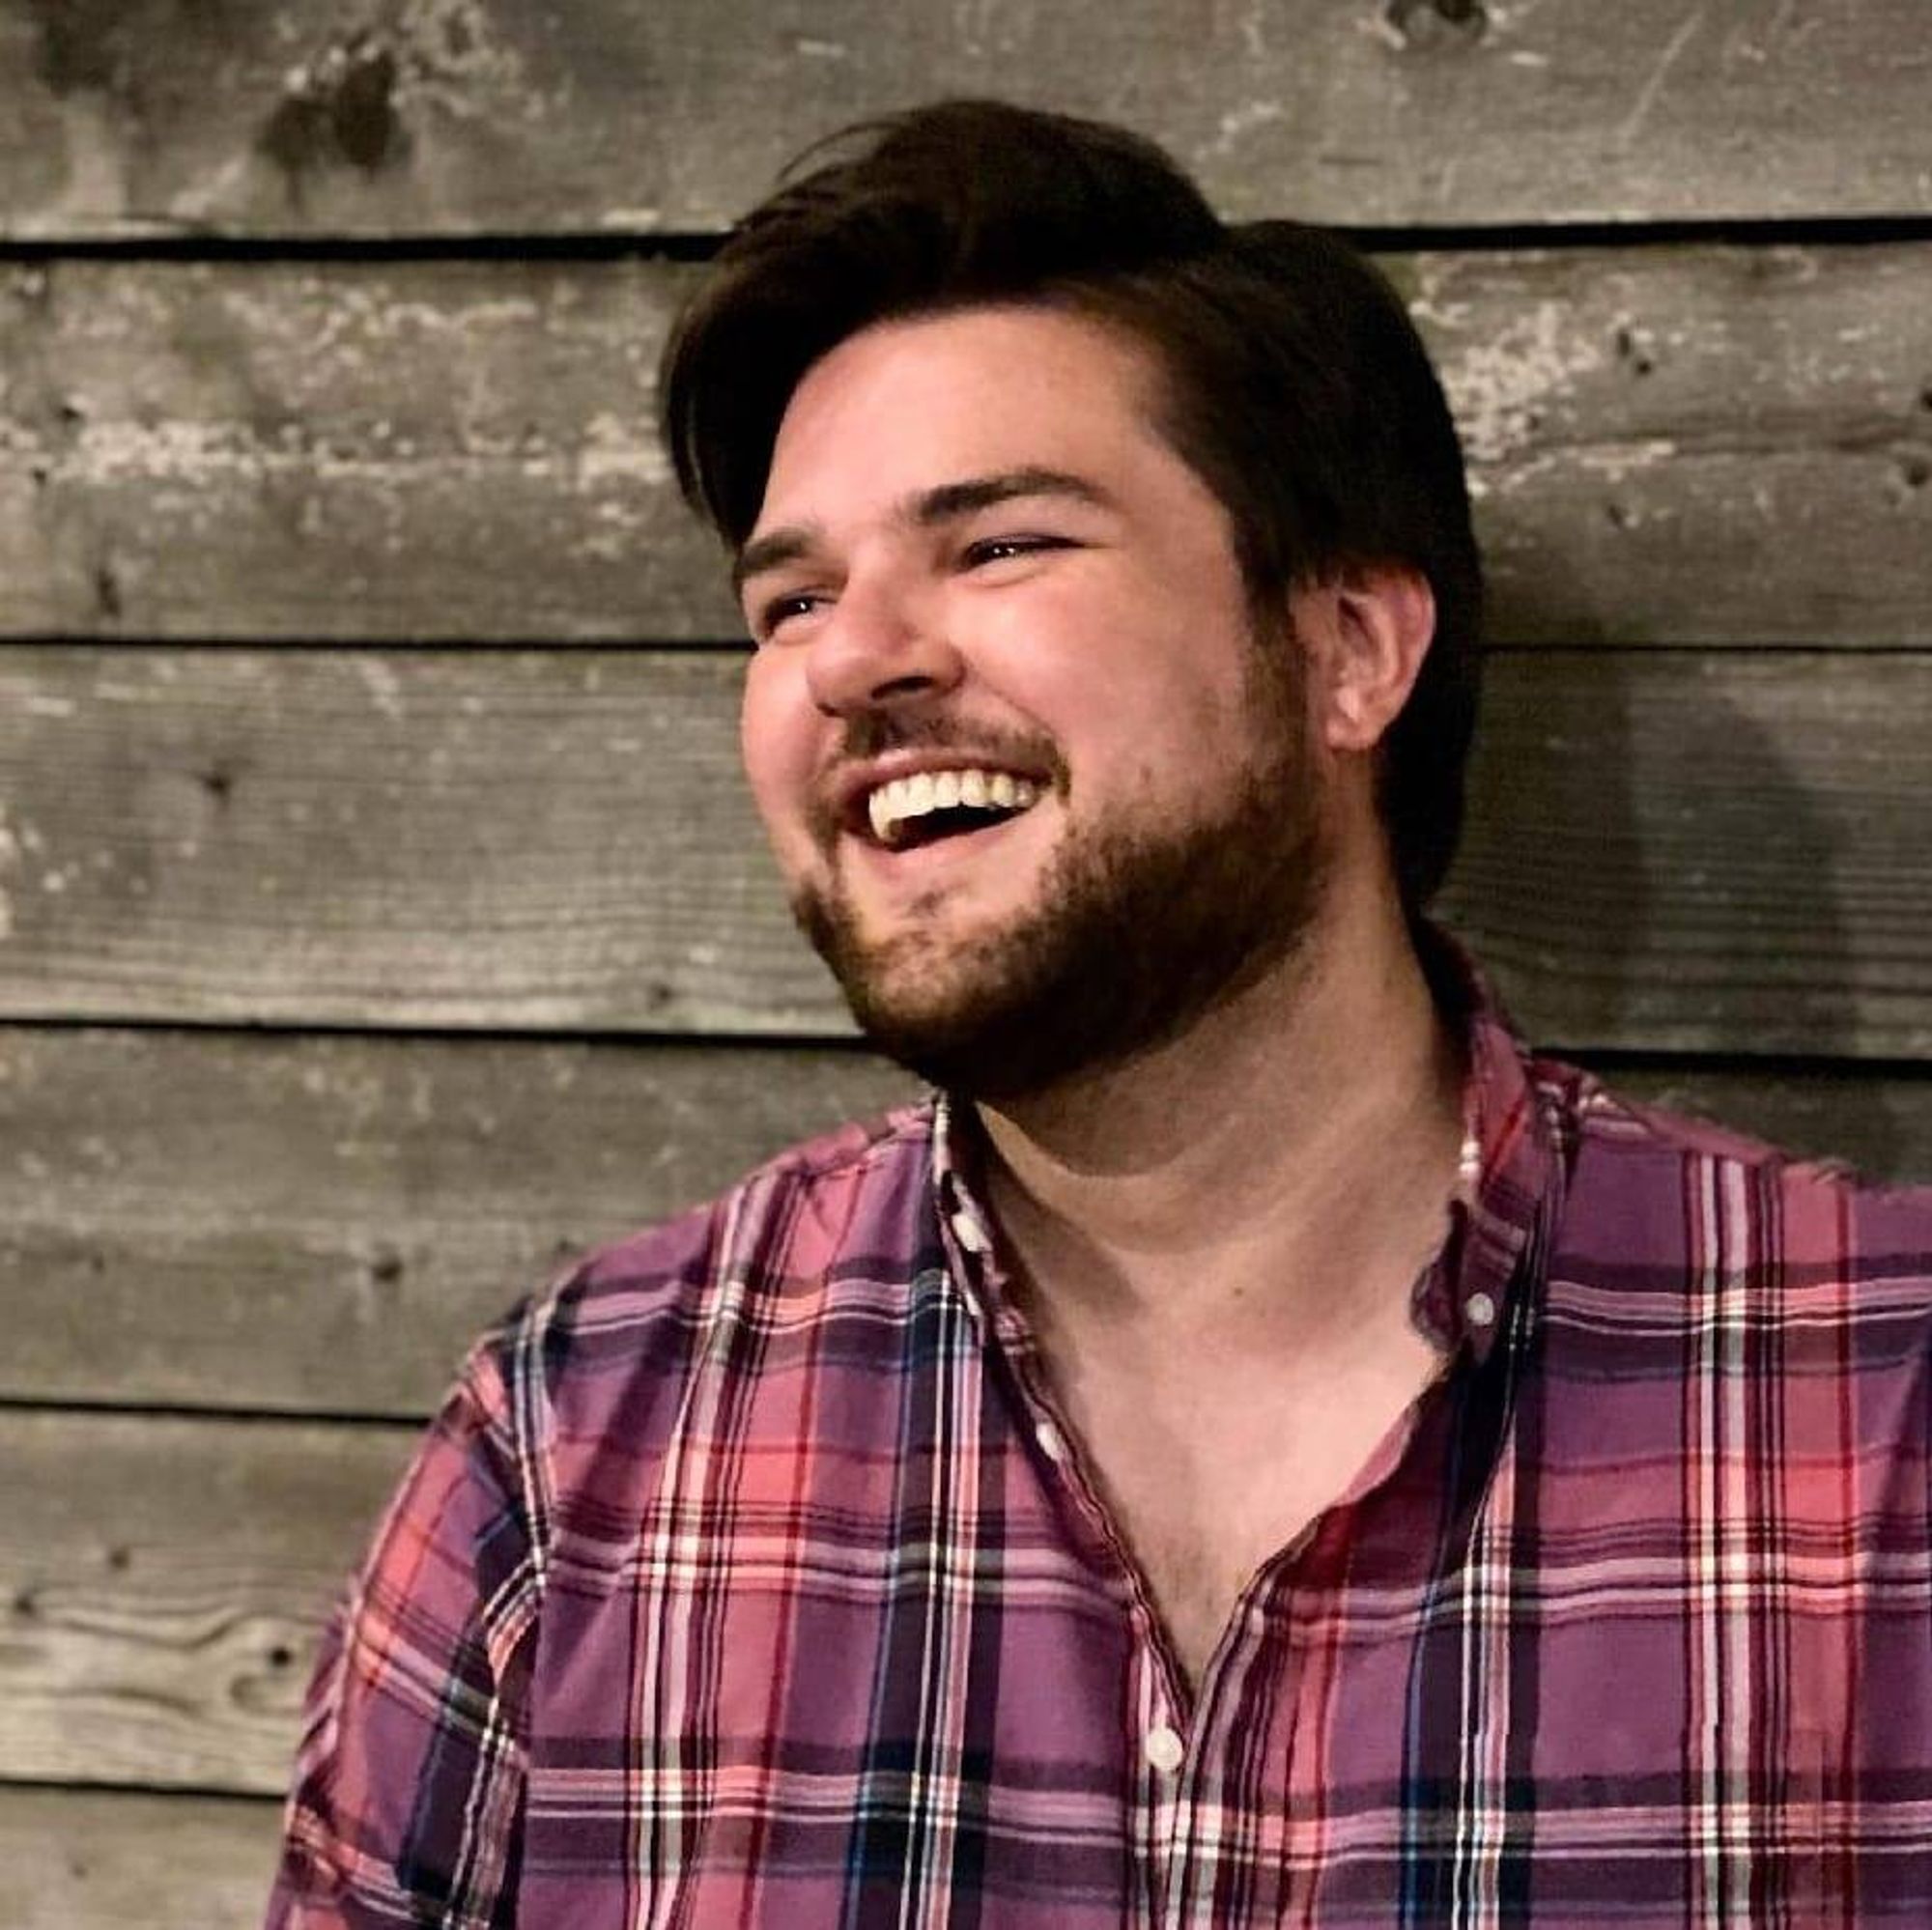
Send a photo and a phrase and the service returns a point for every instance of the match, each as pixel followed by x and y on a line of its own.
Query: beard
pixel 1136 931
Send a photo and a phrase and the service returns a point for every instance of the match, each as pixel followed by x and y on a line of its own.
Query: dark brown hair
pixel 1294 381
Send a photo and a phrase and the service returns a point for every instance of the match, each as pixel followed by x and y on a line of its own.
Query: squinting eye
pixel 780 610
pixel 1002 549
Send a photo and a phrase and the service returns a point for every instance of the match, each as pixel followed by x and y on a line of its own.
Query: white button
pixel 967 1231
pixel 1479 1310
pixel 1050 1443
pixel 1163 1749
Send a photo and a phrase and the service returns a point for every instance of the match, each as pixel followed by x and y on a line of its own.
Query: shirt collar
pixel 1509 1176
pixel 1506 1177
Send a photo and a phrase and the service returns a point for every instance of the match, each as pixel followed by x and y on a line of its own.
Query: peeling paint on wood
pixel 465 450
pixel 494 116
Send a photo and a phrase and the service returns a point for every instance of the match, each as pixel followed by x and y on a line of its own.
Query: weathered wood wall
pixel 381 918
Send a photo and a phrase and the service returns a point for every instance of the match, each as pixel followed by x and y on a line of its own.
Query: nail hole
pixel 1631 350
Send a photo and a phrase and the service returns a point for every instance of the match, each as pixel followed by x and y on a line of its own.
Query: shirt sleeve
pixel 406 1806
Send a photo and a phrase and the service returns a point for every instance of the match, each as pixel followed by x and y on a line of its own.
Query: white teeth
pixel 895 804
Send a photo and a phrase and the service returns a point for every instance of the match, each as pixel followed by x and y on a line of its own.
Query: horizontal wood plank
pixel 459 450
pixel 1878 1123
pixel 1706 853
pixel 162 1584
pixel 99 1859
pixel 323 1225
pixel 491 116
pixel 1715 852
pixel 1700 445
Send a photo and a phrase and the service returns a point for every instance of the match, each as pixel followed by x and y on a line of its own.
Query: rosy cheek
pixel 778 732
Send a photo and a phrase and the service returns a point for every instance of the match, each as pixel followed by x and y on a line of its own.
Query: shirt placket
pixel 1160 1812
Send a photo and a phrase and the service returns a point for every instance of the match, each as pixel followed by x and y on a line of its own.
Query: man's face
pixel 1038 790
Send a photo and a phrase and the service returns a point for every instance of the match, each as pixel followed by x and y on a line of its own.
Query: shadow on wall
pixel 1647 875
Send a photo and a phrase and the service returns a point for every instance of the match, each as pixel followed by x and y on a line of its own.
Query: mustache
pixel 872 733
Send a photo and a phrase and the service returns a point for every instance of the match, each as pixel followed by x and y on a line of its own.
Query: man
pixel 1259 1447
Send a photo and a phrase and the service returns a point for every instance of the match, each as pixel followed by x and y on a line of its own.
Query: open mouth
pixel 934 805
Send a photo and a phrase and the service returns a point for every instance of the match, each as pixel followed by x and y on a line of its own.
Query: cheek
pixel 777 742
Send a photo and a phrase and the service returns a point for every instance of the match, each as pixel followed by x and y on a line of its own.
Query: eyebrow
pixel 927 509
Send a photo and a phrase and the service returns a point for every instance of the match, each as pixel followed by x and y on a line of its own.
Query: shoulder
pixel 607 1346
pixel 1651 1187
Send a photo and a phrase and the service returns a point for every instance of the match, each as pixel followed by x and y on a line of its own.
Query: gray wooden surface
pixel 95 1860
pixel 381 450
pixel 1729 851
pixel 380 917
pixel 320 1224
pixel 159 1586
pixel 491 116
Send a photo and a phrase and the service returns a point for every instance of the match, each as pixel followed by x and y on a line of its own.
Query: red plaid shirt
pixel 751 1577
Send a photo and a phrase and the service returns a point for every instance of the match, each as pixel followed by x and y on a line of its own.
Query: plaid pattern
pixel 751 1577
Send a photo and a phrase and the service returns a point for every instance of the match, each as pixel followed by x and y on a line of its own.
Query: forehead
pixel 908 405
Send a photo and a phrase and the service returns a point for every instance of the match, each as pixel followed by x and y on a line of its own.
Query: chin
pixel 1126 936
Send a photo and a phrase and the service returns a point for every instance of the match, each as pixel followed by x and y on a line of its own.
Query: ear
pixel 1367 632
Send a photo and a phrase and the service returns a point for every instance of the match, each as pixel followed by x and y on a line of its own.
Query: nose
pixel 877 646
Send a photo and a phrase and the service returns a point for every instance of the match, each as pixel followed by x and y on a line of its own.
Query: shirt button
pixel 1051 1445
pixel 1479 1310
pixel 966 1230
pixel 1163 1749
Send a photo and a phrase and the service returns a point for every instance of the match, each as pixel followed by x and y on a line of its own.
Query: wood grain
pixel 1706 853
pixel 96 1859
pixel 489 116
pixel 162 1584
pixel 203 1219
pixel 459 450
pixel 1691 852
pixel 1699 445
pixel 220 1220
pixel 1879 1123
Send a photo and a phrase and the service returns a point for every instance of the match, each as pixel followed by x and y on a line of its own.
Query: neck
pixel 1263 1169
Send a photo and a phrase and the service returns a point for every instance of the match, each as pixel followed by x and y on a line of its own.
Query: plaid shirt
pixel 751 1577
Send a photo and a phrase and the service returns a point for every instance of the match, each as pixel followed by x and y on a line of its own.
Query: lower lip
pixel 911 861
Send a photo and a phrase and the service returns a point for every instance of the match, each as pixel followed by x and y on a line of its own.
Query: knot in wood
pixel 340 106
pixel 1422 23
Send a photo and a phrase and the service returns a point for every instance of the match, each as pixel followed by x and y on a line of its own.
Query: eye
pixel 1004 548
pixel 778 611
